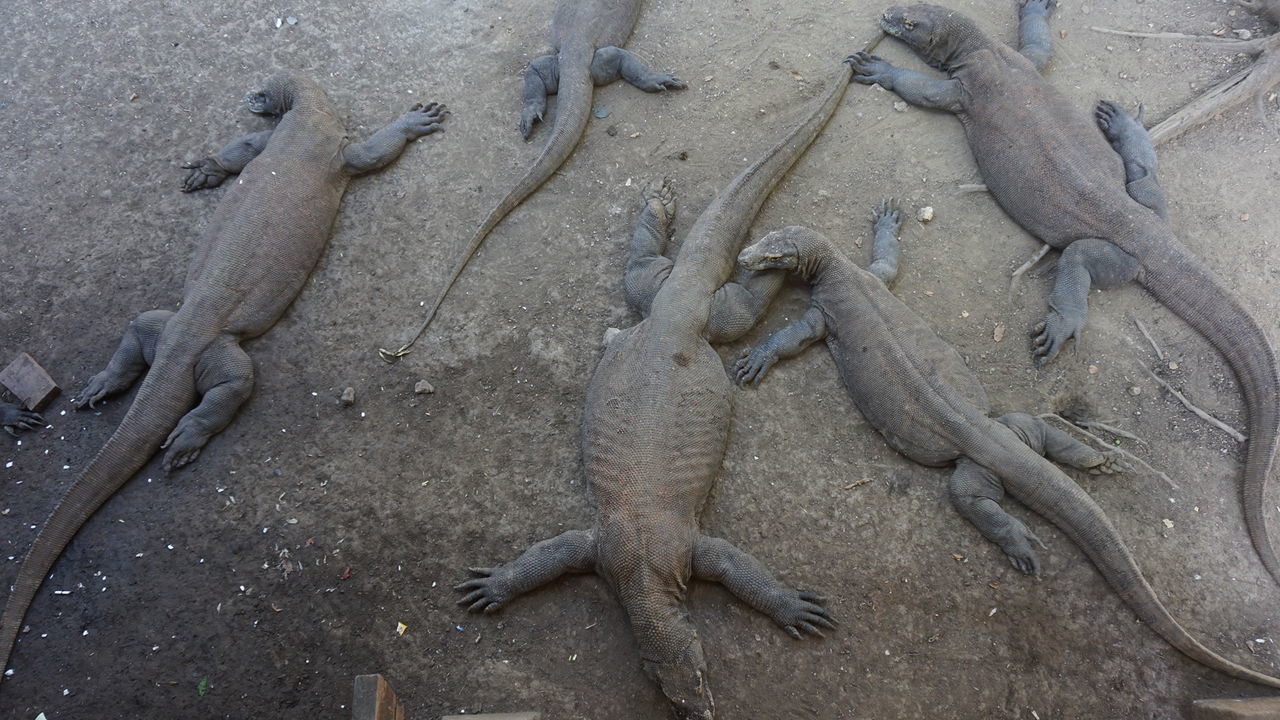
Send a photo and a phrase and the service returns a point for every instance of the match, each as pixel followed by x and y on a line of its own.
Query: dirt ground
pixel 258 582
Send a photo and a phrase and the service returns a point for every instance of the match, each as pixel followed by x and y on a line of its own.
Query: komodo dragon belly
pixel 656 425
pixel 892 365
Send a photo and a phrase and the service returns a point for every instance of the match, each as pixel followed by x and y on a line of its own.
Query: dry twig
pixel 1239 437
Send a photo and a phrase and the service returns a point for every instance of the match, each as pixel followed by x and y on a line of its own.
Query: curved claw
pixel 752 365
pixel 868 69
pixel 1051 335
pixel 888 215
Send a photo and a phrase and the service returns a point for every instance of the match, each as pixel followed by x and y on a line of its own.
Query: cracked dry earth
pixel 280 565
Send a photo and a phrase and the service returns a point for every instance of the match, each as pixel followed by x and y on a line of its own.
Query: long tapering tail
pixel 167 393
pixel 1048 491
pixel 1182 284
pixel 573 110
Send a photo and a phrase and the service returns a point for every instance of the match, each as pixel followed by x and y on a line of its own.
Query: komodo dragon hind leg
pixel 1034 40
pixel 210 172
pixel 541 78
pixel 1060 447
pixel 794 611
pixel 647 266
pixel 224 379
pixel 130 361
pixel 492 588
pixel 388 143
pixel 886 248
pixel 976 493
pixel 1084 264
pixel 1130 140
pixel 611 63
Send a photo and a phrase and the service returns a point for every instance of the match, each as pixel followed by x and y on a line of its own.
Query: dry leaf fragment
pixel 1093 369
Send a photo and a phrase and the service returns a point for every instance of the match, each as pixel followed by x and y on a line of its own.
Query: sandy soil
pixel 279 566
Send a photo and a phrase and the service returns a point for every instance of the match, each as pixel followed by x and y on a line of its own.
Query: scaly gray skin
pixel 14 419
pixel 1093 194
pixel 586 35
pixel 917 391
pixel 654 432
pixel 250 263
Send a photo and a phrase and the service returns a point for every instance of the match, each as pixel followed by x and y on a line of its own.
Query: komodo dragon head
pixel 775 251
pixel 940 36
pixel 282 92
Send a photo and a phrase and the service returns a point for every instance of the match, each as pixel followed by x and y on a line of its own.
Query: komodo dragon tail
pixel 573 109
pixel 1182 284
pixel 167 393
pixel 1041 486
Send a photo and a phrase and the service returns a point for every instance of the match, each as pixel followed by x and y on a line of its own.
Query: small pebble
pixel 1243 34
pixel 1135 390
pixel 925 214
pixel 291 20
pixel 348 396
pixel 1093 369
pixel 424 387
pixel 1173 366
pixel 900 106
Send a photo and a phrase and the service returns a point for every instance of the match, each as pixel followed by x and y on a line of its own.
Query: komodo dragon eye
pixel 909 24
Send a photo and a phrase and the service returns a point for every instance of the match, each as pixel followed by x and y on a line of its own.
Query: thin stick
pixel 1044 250
pixel 1103 443
pixel 1143 329
pixel 972 187
pixel 1239 437
pixel 1248 45
pixel 1091 424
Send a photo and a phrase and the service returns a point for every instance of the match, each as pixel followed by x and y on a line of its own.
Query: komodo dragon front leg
pixel 736 307
pixel 14 419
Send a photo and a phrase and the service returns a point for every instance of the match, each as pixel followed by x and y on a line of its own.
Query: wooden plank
pixel 25 378
pixel 1265 708
pixel 497 716
pixel 373 699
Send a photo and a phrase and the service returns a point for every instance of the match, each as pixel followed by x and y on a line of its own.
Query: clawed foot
pixel 661 199
pixel 14 419
pixel 888 216
pixel 423 119
pixel 802 612
pixel 99 387
pixel 662 81
pixel 1017 545
pixel 1106 462
pixel 752 365
pixel 205 174
pixel 1115 122
pixel 1052 335
pixel 870 69
pixel 1041 6
pixel 487 592
pixel 184 445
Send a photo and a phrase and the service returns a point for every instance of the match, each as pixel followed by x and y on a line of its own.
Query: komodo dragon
pixel 917 391
pixel 14 419
pixel 1055 174
pixel 252 260
pixel 654 433
pixel 587 35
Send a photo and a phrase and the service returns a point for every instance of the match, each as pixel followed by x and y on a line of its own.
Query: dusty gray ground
pixel 233 570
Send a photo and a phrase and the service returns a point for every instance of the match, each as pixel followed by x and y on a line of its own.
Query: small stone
pixel 1173 366
pixel 422 387
pixel 1084 9
pixel 925 214
pixel 998 334
pixel 1244 217
pixel 1134 390
pixel 1167 523
pixel 900 106
pixel 279 22
pixel 1093 369
pixel 1243 34
pixel 708 78
pixel 348 396
pixel 291 20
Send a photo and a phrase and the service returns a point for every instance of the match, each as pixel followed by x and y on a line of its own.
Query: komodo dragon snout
pixel 775 251
pixel 934 32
